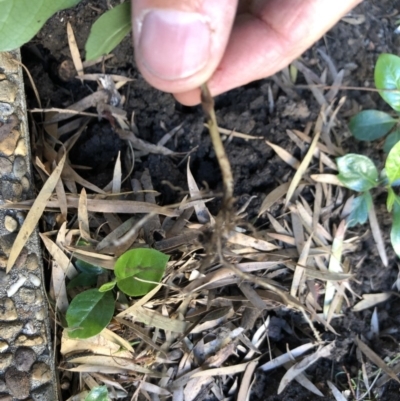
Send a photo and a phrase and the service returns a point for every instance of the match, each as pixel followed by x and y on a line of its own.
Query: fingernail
pixel 174 44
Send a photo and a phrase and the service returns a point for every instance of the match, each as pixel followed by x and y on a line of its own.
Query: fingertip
pixel 178 44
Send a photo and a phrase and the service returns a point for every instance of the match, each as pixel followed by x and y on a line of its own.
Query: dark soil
pixel 257 169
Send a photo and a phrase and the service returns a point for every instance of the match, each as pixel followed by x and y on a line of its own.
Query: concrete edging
pixel 27 369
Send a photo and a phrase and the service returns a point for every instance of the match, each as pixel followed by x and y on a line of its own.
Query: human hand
pixel 180 44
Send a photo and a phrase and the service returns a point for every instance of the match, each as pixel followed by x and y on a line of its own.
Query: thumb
pixel 179 43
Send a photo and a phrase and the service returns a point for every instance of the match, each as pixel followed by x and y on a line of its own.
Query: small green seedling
pixel 20 21
pixel 360 174
pixel 369 125
pixel 137 272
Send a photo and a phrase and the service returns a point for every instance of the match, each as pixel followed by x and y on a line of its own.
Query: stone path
pixel 26 363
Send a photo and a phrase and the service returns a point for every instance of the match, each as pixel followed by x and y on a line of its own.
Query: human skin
pixel 180 44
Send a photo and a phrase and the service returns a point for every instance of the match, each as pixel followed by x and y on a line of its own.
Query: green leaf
pixel 392 165
pixel 395 233
pixel 88 268
pixel 369 125
pixel 391 140
pixel 98 394
pixel 108 31
pixel 357 172
pixel 390 199
pixel 89 313
pixel 107 286
pixel 82 280
pixel 20 20
pixel 144 264
pixel 387 76
pixel 359 209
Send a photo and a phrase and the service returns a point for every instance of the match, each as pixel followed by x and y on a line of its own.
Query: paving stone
pixel 10 224
pixel 8 91
pixel 24 358
pixel 5 166
pixel 3 387
pixel 32 262
pixel 30 341
pixel 18 383
pixel 5 360
pixel 15 286
pixel 27 295
pixel 43 393
pixel 19 167
pixel 10 190
pixel 7 310
pixel 26 186
pixel 5 398
pixel 41 372
pixel 3 346
pixel 21 149
pixel 8 143
pixel 10 330
pixel 35 280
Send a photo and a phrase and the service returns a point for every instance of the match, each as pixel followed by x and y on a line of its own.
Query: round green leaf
pixel 143 264
pixel 108 31
pixel 357 172
pixel 395 232
pixel 89 313
pixel 391 140
pixel 387 76
pixel 107 286
pixel 392 165
pixel 82 280
pixel 369 125
pixel 20 20
pixel 359 209
pixel 99 393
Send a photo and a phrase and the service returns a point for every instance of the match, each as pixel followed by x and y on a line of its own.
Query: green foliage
pixel 88 268
pixel 392 165
pixel 108 31
pixel 357 172
pixel 82 280
pixel 391 140
pixel 89 313
pixel 20 20
pixel 395 232
pixel 99 393
pixel 143 264
pixel 137 272
pixel 107 286
pixel 369 125
pixel 387 76
pixel 359 209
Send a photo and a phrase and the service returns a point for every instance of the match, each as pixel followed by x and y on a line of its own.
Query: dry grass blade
pixel 59 288
pixel 334 267
pixel 113 362
pixel 377 234
pixel 335 392
pixel 235 134
pixel 299 273
pixel 302 168
pixel 273 197
pixel 83 216
pixel 202 213
pixel 287 357
pixel 287 157
pixel 327 179
pixel 301 366
pixel 73 48
pixel 374 358
pixel 59 257
pixel 244 390
pixel 226 370
pixel 35 213
pixel 370 300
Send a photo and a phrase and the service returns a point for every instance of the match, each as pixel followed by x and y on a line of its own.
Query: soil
pixel 257 170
